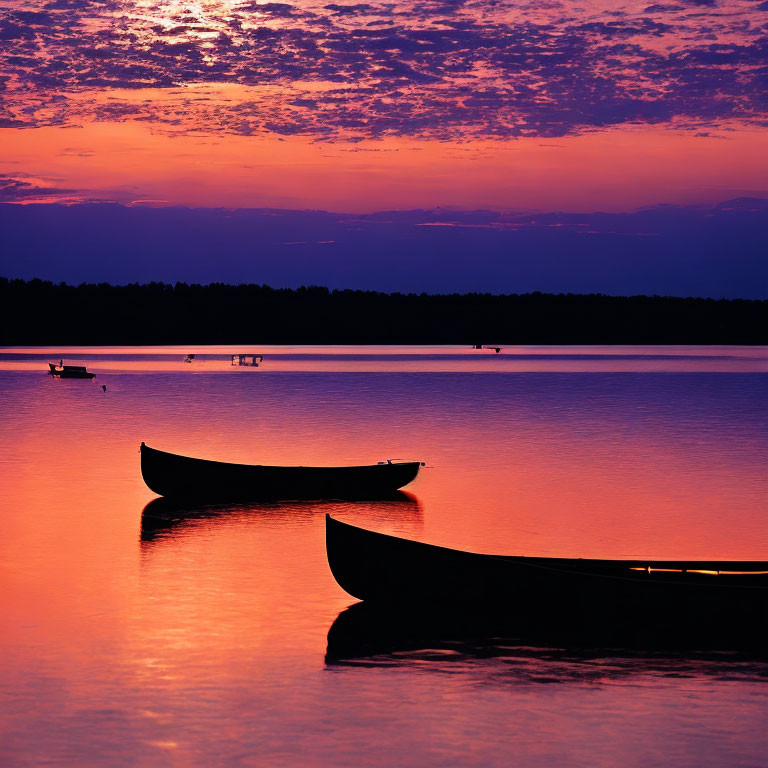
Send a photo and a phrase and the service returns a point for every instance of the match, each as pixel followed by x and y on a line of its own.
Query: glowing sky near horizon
pixel 364 106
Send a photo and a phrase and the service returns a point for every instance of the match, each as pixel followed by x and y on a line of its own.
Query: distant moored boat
pixel 69 371
pixel 169 474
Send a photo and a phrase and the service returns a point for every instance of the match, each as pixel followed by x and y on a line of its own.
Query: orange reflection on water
pixel 163 637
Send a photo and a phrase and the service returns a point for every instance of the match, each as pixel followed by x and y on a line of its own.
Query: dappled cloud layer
pixel 419 68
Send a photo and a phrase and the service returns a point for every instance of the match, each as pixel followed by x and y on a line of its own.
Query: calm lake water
pixel 203 643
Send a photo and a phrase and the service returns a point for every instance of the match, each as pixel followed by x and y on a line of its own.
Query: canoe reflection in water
pixel 725 603
pixel 498 646
pixel 163 517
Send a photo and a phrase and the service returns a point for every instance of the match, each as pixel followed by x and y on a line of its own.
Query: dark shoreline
pixel 41 312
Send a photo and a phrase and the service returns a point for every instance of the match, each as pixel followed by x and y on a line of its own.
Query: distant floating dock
pixel 251 360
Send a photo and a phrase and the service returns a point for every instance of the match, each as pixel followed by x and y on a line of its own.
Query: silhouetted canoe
pixel 188 478
pixel 386 569
pixel 69 371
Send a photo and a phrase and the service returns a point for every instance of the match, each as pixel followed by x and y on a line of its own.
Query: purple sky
pixel 236 120
pixel 687 251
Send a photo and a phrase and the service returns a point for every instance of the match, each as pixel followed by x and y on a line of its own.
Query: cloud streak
pixel 19 190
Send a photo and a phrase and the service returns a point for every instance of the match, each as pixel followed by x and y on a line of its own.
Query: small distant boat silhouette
pixel 189 358
pixel 69 371
pixel 184 477
pixel 386 569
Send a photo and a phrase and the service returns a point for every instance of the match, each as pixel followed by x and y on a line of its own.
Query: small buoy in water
pixel 103 387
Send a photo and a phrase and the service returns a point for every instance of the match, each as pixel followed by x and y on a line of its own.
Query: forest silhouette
pixel 42 312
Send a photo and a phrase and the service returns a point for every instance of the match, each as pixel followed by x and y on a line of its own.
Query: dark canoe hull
pixel 182 477
pixel 385 570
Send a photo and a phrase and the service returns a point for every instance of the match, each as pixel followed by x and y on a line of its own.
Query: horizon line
pixel 330 291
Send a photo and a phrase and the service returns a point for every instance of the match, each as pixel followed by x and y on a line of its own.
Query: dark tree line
pixel 40 312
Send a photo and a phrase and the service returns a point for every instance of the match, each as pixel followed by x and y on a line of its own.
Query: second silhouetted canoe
pixel 184 477
pixel 389 570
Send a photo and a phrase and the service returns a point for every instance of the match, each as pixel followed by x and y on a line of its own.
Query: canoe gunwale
pixel 234 465
pixel 557 562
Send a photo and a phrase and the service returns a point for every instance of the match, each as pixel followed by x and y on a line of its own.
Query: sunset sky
pixel 639 130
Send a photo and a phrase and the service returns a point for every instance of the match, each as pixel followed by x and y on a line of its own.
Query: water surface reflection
pixel 202 642
pixel 540 647
pixel 164 517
